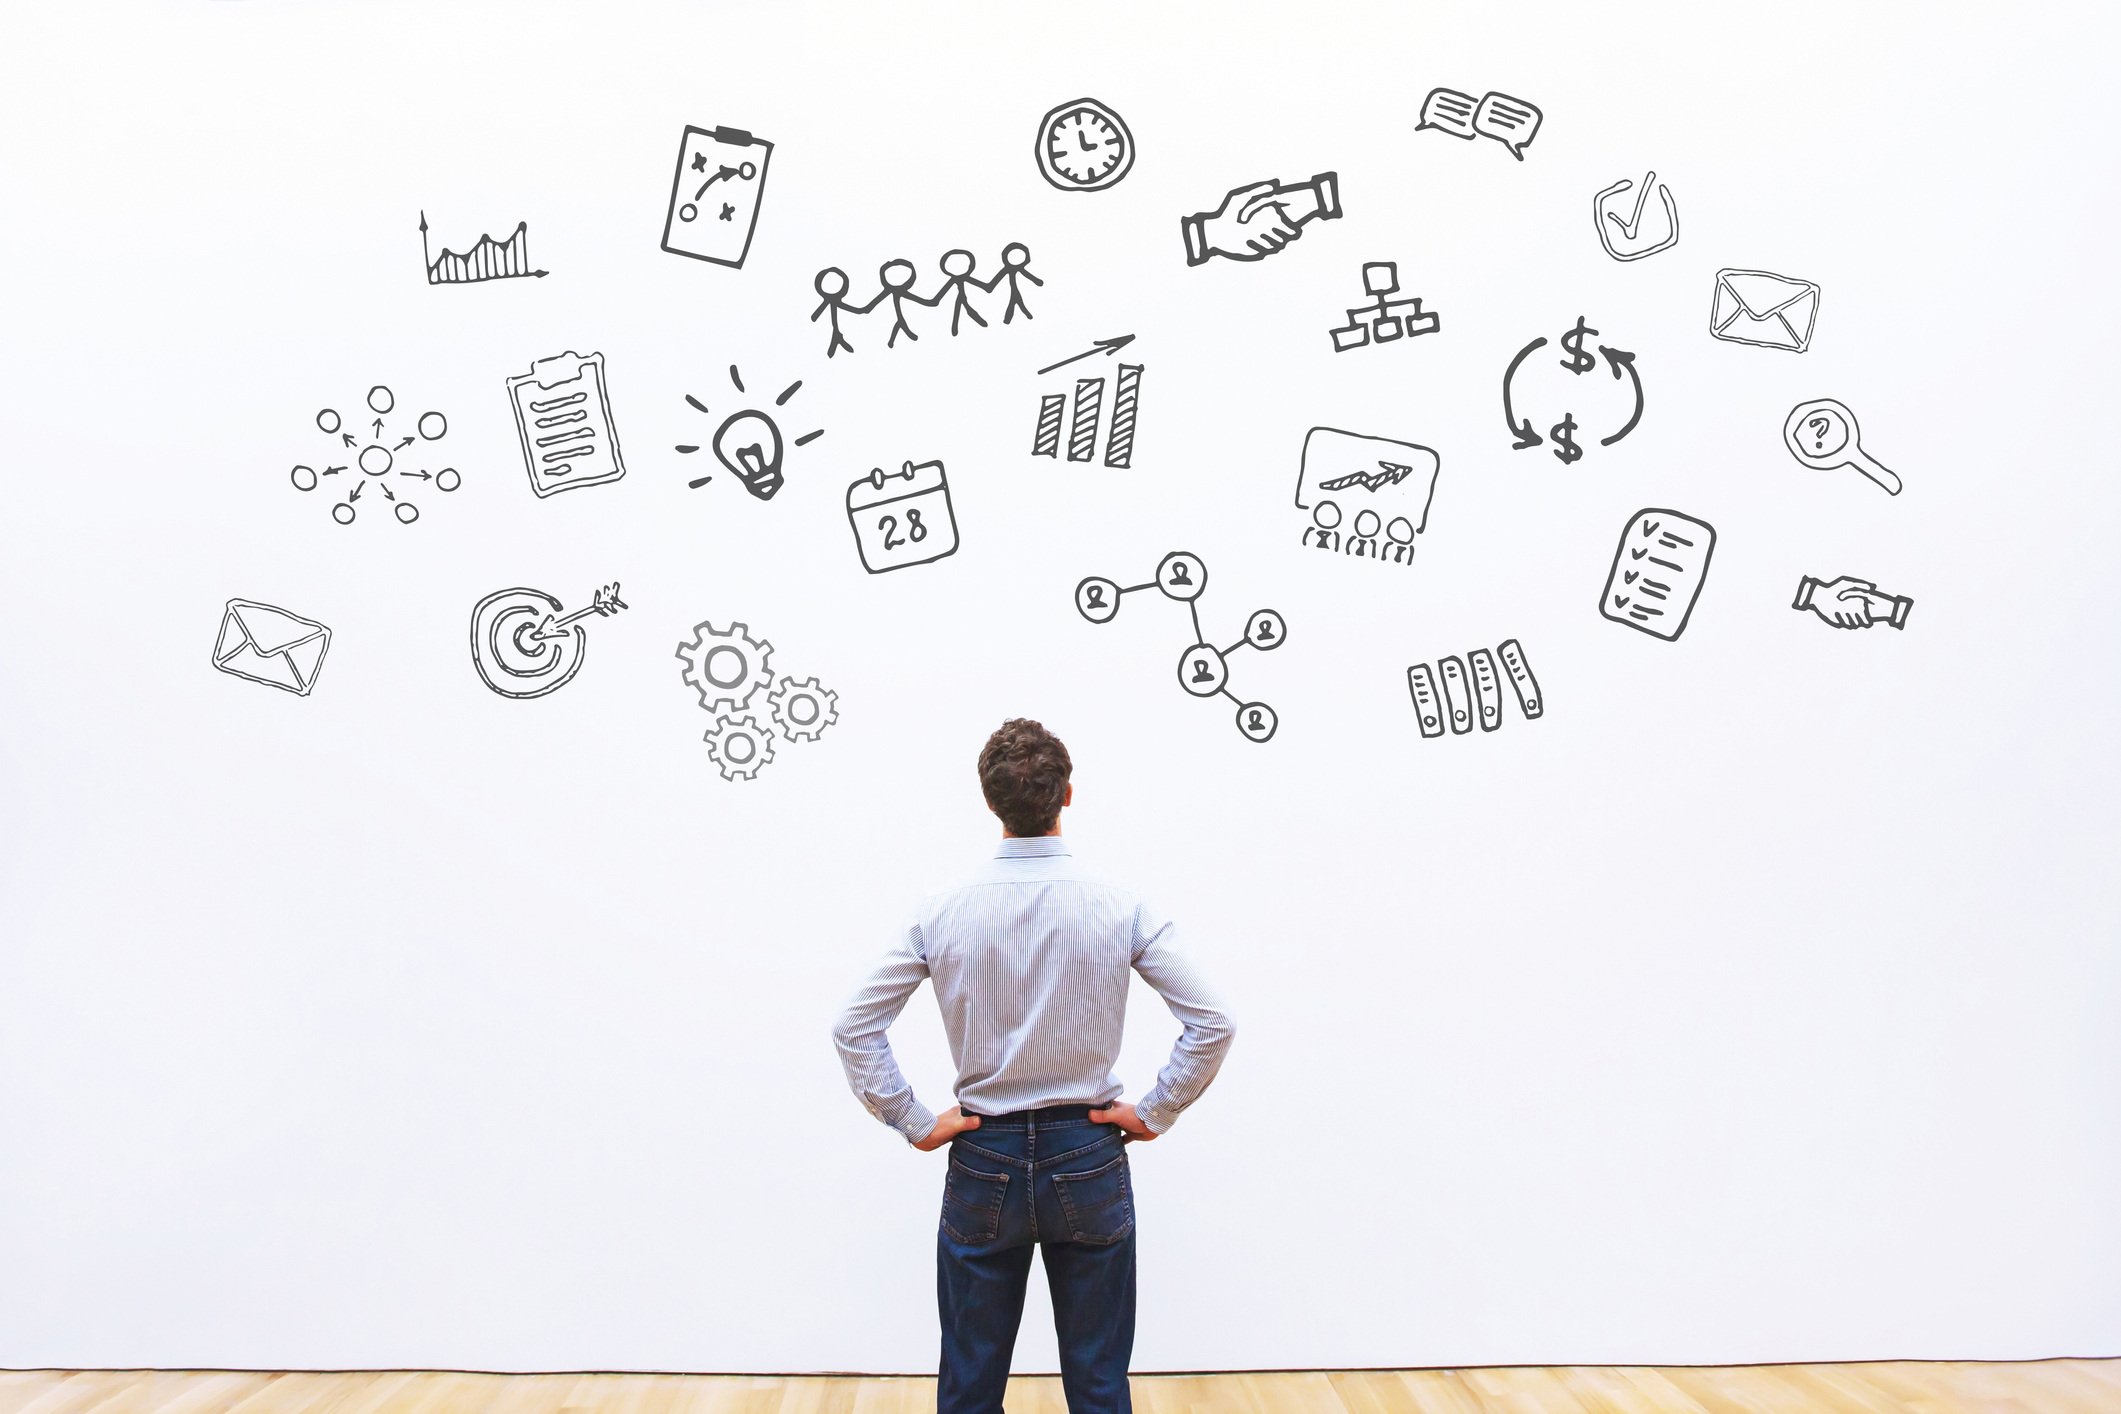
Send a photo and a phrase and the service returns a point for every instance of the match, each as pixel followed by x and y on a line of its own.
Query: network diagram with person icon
pixel 1203 669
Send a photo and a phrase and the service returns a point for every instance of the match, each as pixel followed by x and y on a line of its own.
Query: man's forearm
pixel 865 1053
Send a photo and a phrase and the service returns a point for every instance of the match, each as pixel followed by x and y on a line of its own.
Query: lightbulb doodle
pixel 1203 669
pixel 377 460
pixel 1578 361
pixel 748 443
pixel 727 668
pixel 523 644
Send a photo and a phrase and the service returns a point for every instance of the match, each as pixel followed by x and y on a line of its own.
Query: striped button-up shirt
pixel 1030 964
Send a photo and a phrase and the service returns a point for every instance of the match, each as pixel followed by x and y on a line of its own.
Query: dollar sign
pixel 1563 436
pixel 1578 361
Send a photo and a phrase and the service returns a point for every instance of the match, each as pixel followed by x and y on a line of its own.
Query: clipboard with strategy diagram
pixel 714 198
pixel 563 417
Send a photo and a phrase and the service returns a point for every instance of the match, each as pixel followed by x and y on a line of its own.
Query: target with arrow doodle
pixel 1578 361
pixel 523 645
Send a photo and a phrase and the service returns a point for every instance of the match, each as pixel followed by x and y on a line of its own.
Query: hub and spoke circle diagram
pixel 377 462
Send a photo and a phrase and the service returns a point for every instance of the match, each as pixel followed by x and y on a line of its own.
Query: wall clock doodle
pixel 1083 146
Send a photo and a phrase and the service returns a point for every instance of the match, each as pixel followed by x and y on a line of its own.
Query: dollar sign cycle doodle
pixel 523 646
pixel 1578 361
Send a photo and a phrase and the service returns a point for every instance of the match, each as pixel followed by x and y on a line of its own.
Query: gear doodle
pixel 725 666
pixel 1203 669
pixel 802 710
pixel 738 746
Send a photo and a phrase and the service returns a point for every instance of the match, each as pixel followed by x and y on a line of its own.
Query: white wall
pixel 1758 1003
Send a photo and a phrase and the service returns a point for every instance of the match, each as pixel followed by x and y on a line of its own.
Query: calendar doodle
pixel 902 517
pixel 1203 669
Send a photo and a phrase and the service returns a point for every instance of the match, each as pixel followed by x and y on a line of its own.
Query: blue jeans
pixel 1052 1178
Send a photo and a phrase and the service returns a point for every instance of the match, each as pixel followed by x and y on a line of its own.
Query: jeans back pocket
pixel 1099 1203
pixel 972 1203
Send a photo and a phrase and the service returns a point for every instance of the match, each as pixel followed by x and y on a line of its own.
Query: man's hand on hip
pixel 1121 1113
pixel 948 1125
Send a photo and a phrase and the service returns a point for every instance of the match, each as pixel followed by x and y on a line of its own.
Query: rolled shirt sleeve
pixel 1206 1028
pixel 865 1051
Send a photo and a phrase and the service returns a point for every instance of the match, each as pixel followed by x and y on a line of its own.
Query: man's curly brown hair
pixel 1023 772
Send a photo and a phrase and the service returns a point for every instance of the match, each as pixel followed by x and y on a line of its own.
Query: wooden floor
pixel 2038 1387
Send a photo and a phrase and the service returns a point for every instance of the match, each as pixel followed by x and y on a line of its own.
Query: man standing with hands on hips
pixel 1030 963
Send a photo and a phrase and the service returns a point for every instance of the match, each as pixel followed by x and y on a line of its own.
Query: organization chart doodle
pixel 1385 318
pixel 748 442
pixel 1203 669
pixel 377 460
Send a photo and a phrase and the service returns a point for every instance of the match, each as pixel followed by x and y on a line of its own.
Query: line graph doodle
pixel 489 259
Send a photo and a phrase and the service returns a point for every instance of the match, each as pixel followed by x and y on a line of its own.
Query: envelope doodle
pixel 264 644
pixel 1772 311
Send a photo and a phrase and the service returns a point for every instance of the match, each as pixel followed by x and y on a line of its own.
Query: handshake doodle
pixel 1852 603
pixel 1255 221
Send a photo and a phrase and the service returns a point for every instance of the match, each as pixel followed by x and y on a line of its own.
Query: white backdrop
pixel 1756 1003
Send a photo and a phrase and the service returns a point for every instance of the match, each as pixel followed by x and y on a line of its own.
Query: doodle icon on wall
pixel 1510 121
pixel 261 643
pixel 1628 226
pixel 378 459
pixel 895 281
pixel 1657 573
pixel 489 259
pixel 1368 496
pixel 1823 435
pixel 1384 318
pixel 727 668
pixel 1087 402
pixel 1852 603
pixel 1255 221
pixel 1472 690
pixel 903 517
pixel 523 645
pixel 1083 146
pixel 748 443
pixel 1204 668
pixel 1770 311
pixel 714 198
pixel 1577 360
pixel 563 419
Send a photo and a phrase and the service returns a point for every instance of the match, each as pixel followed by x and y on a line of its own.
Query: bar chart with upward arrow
pixel 1088 403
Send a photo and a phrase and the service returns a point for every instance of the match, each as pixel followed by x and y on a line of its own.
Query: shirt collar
pixel 1039 847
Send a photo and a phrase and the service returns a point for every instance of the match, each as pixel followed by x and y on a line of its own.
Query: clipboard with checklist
pixel 563 417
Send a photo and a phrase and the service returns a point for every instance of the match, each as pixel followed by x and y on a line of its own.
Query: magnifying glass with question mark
pixel 1823 435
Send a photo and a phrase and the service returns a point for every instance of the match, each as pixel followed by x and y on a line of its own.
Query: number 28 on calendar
pixel 903 517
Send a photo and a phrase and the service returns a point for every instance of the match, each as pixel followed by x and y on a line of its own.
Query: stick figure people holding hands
pixel 895 281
